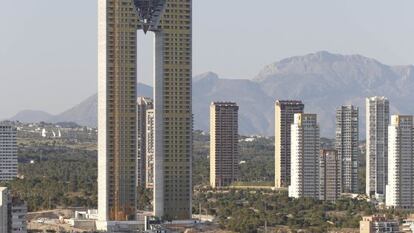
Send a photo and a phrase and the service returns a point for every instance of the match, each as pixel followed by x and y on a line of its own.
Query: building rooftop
pixel 289 102
pixel 377 98
pixel 224 103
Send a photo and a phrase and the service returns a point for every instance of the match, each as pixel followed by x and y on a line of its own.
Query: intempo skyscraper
pixel 119 21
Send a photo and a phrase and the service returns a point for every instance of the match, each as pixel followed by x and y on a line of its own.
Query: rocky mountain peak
pixel 322 80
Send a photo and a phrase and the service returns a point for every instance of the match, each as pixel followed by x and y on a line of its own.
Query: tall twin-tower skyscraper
pixel 119 21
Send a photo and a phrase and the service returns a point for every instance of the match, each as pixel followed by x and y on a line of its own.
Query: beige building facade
pixel 224 138
pixel 171 22
pixel 330 175
pixel 284 113
pixel 378 224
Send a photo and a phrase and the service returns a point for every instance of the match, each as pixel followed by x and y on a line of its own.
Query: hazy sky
pixel 48 47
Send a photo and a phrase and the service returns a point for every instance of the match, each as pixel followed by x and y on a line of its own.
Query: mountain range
pixel 322 80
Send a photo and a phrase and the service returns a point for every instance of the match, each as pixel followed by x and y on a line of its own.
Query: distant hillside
pixel 322 80
pixel 31 116
pixel 255 106
pixel 84 113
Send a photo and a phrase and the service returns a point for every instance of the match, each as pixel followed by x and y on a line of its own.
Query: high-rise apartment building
pixel 377 120
pixel 224 138
pixel 143 104
pixel 171 22
pixel 305 150
pixel 172 183
pixel 330 175
pixel 284 112
pixel 117 121
pixel 347 145
pixel 8 153
pixel 400 187
pixel 150 149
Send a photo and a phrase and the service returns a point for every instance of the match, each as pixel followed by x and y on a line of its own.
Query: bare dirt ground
pixel 51 214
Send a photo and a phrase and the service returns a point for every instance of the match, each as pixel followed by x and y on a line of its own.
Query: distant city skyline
pixel 52 63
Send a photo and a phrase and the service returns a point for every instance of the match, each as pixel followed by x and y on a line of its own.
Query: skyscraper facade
pixel 377 120
pixel 330 175
pixel 305 149
pixel 171 22
pixel 224 138
pixel 284 112
pixel 173 184
pixel 143 104
pixel 117 110
pixel 8 153
pixel 347 145
pixel 400 187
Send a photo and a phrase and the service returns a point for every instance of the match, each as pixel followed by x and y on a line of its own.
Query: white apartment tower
pixel 150 150
pixel 377 120
pixel 400 187
pixel 8 153
pixel 305 152
pixel 347 146
pixel 143 105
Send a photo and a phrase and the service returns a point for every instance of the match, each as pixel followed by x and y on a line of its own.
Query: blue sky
pixel 48 47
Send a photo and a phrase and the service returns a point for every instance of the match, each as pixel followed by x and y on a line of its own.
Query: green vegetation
pixel 201 172
pixel 267 184
pixel 248 211
pixel 58 175
pixel 259 160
